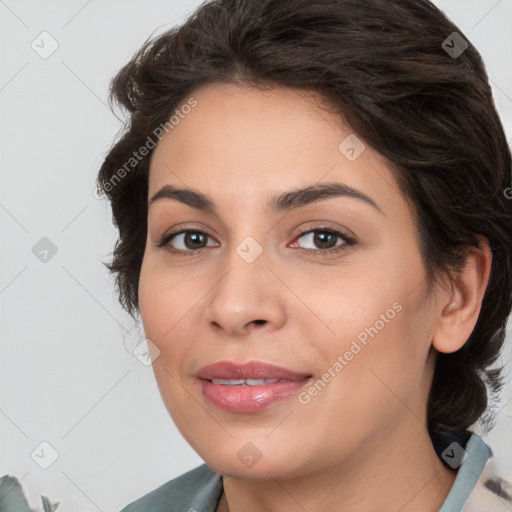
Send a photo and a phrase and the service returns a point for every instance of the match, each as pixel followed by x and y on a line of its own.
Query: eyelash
pixel 349 241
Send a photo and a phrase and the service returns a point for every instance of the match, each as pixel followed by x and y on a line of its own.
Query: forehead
pixel 242 143
pixel 247 121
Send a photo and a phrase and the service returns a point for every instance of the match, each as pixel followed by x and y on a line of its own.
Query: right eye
pixel 188 241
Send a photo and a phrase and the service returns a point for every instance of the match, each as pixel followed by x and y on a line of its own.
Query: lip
pixel 244 398
pixel 249 370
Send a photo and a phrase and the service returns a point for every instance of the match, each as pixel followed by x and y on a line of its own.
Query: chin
pixel 247 463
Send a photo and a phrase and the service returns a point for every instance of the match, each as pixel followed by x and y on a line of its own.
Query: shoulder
pixel 199 487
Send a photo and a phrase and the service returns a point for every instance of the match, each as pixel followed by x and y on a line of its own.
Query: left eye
pixel 324 240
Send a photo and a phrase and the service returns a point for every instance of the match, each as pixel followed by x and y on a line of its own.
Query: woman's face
pixel 358 320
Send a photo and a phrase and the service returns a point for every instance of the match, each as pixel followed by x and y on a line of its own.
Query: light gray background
pixel 67 377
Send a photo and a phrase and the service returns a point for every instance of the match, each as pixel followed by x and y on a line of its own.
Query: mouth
pixel 249 387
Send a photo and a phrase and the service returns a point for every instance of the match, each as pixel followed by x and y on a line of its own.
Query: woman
pixel 314 230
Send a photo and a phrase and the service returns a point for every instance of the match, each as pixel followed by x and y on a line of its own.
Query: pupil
pixel 194 238
pixel 320 239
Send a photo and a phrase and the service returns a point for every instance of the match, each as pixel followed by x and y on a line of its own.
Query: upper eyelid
pixel 302 232
pixel 311 226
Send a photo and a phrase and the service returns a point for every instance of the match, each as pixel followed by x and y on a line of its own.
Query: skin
pixel 360 444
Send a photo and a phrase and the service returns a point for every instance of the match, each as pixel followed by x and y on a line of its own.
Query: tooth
pixel 228 382
pixel 259 382
pixel 240 382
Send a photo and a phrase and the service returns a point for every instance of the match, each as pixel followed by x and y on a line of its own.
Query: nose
pixel 247 298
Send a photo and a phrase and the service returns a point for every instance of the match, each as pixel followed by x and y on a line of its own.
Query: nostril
pixel 259 322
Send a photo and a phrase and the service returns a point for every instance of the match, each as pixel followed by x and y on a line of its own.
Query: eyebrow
pixel 285 201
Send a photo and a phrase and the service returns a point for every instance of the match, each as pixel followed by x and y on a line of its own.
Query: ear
pixel 460 306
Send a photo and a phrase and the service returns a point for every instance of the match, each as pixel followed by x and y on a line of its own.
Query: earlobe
pixel 460 307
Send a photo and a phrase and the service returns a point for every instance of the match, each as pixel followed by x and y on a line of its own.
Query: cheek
pixel 163 293
pixel 163 306
pixel 171 303
pixel 378 320
pixel 351 305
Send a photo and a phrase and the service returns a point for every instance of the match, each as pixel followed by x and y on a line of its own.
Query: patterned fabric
pixel 12 498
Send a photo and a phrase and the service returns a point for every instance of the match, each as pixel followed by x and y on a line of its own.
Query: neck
pixel 392 474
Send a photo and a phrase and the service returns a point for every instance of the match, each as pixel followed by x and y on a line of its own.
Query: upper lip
pixel 249 370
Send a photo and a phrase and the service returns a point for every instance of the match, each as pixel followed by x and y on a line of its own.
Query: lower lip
pixel 246 399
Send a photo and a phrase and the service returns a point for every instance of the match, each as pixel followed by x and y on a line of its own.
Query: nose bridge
pixel 245 296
